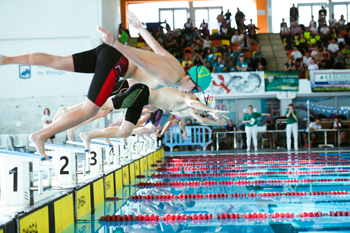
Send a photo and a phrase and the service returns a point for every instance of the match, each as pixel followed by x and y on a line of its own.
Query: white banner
pixel 330 80
pixel 236 83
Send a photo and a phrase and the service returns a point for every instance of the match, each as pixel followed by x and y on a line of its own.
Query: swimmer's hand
pixel 219 115
pixel 107 37
pixel 133 20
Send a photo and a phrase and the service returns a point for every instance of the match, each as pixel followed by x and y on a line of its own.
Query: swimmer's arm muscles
pixel 197 104
pixel 201 120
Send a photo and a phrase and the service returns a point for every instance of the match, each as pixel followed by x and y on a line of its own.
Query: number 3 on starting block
pixel 96 159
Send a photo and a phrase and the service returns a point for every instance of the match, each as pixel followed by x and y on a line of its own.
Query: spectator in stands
pixel 252 27
pixel 347 38
pixel 333 48
pixel 208 55
pixel 293 13
pixel 204 28
pixel 301 44
pixel 345 50
pixel 292 22
pixel 341 23
pixel 313 127
pixel 197 60
pixel 292 127
pixel 314 28
pixel 296 53
pixel 307 33
pixel 325 56
pixel 318 39
pixel 296 29
pixel 322 14
pixel 315 54
pixel 270 136
pixel 338 125
pixel 289 66
pixel 299 65
pixel 253 37
pixel 189 122
pixel 241 65
pixel 312 22
pixel 332 21
pixel 339 61
pixel 238 52
pixel 324 65
pixel 220 17
pixel 282 24
pixel 188 26
pixel 251 126
pixel 167 26
pixel 260 62
pixel 307 59
pixel 124 34
pixel 229 136
pixel 341 41
pixel 246 44
pixel 325 33
pixel 347 61
pixel 311 43
pixel 169 44
pixel 208 65
pixel 239 17
pixel 179 41
pixel 219 65
pixel 195 47
pixel 312 65
pixel 228 17
pixel 224 33
pixel 229 54
pixel 231 67
pixel 285 31
pixel 236 39
pixel 206 42
pixel 186 63
pixel 257 52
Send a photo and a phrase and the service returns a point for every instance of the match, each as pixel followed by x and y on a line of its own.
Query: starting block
pixel 16 171
pixel 65 162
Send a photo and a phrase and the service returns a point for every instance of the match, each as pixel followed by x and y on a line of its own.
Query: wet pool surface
pixel 246 193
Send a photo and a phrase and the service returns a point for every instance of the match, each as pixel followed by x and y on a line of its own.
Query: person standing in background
pixel 293 13
pixel 251 126
pixel 228 17
pixel 47 120
pixel 292 127
pixel 239 17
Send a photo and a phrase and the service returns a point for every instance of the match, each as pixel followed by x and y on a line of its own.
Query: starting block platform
pixel 70 192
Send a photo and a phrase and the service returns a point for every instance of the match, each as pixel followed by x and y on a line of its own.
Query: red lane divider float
pixel 230 182
pixel 173 218
pixel 215 196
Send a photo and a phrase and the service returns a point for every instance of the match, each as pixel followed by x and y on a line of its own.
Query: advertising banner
pixel 236 83
pixel 330 80
pixel 281 81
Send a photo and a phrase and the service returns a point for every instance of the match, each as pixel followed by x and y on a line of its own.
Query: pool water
pixel 285 184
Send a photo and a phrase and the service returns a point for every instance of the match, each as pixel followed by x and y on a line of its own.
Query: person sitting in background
pixel 179 42
pixel 307 59
pixel 333 48
pixel 270 136
pixel 311 43
pixel 228 53
pixel 341 41
pixel 296 29
pixel 224 32
pixel 231 67
pixel 238 52
pixel 236 39
pixel 332 21
pixel 246 43
pixel 325 33
pixel 289 66
pixel 209 55
pixel 312 65
pixel 315 54
pixel 323 65
pixel 325 56
pixel 229 136
pixel 209 67
pixel 169 44
pixel 219 65
pixel 186 63
pixel 196 48
pixel 197 60
pixel 241 64
pixel 258 51
pixel 313 127
pixel 296 53
pixel 253 37
pixel 301 44
pixel 312 22
pixel 285 31
pixel 260 60
pixel 347 61
pixel 338 125
pixel 339 61
pixel 204 28
pixel 314 28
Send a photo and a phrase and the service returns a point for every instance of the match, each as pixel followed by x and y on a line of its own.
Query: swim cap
pixel 203 74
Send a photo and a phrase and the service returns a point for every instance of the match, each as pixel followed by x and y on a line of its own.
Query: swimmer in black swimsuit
pixel 139 95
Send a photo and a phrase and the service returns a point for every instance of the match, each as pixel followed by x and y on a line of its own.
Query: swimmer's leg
pixel 113 132
pixel 40 59
pixel 71 119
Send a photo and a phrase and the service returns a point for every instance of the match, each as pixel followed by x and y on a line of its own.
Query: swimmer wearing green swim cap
pixel 201 76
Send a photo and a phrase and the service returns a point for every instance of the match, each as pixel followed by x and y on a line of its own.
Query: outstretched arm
pixel 205 121
pixel 149 39
pixel 193 103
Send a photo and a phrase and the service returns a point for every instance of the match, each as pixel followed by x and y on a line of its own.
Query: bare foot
pixel 108 141
pixel 39 144
pixel 126 142
pixel 70 134
pixel 61 111
pixel 2 58
pixel 86 139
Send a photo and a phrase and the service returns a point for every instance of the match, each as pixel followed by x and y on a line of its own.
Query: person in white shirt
pixel 341 23
pixel 47 120
pixel 333 48
pixel 296 53
pixel 313 126
pixel 312 22
pixel 332 21
pixel 236 39
pixel 307 59
pixel 315 53
pixel 312 65
pixel 314 28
